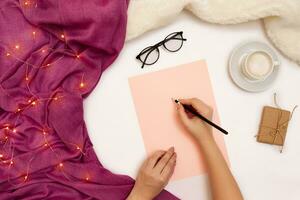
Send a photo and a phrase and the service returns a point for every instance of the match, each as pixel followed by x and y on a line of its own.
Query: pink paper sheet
pixel 157 116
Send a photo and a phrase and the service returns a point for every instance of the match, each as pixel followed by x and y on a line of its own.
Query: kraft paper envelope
pixel 159 123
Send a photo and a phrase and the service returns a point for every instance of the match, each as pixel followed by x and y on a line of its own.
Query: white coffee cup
pixel 258 65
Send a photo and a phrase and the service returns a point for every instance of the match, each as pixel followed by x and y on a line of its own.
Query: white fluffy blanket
pixel 281 17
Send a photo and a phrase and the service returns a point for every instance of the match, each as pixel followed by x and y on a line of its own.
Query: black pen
pixel 194 112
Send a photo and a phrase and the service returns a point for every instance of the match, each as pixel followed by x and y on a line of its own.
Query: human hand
pixel 154 175
pixel 197 127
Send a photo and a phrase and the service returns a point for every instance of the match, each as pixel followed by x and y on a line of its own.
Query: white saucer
pixel 237 75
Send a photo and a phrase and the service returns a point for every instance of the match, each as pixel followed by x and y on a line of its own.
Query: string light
pixel 60 166
pixel 33 103
pixel 43 51
pixel 35 100
pixel 78 148
pixel 81 82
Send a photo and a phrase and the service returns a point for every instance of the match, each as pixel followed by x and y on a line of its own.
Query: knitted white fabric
pixel 281 17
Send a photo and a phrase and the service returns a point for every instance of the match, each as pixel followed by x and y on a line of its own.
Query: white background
pixel 261 171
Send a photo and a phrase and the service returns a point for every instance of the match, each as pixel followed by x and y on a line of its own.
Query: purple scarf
pixel 52 54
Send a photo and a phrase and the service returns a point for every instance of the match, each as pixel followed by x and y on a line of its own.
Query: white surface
pixel 261 171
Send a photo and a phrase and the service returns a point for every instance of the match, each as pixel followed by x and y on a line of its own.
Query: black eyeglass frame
pixel 150 49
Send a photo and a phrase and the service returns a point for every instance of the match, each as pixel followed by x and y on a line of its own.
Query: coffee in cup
pixel 258 65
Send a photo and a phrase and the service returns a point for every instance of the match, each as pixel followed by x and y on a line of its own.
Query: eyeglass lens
pixel 173 42
pixel 150 57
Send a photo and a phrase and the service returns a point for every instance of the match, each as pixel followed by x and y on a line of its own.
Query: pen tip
pixel 175 100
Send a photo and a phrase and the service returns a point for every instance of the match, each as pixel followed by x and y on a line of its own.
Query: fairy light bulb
pixel 12 128
pixel 81 85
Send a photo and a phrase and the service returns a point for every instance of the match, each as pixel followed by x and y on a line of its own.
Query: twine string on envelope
pixel 276 132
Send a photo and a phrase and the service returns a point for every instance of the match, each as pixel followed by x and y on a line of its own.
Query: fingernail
pixel 172 149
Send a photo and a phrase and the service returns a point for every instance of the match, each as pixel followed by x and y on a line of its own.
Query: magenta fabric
pixel 52 54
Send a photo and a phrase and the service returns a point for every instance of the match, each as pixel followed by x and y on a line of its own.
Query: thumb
pixel 182 114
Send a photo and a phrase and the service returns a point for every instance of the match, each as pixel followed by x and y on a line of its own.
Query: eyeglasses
pixel 172 43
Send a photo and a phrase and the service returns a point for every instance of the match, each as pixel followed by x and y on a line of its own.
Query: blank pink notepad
pixel 159 123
